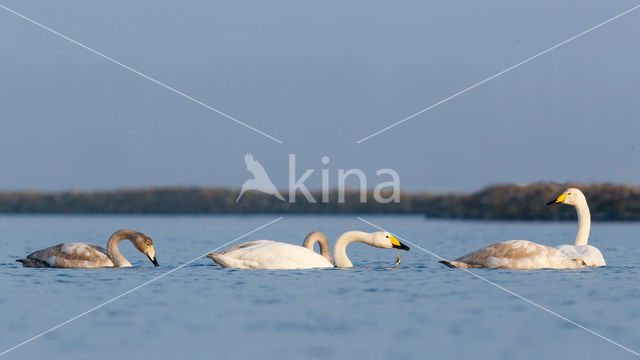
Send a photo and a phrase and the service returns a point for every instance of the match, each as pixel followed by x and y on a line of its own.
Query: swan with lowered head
pixel 267 254
pixel 522 254
pixel 275 255
pixel 380 239
pixel 83 255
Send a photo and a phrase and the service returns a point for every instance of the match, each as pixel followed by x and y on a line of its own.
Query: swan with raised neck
pixel 523 254
pixel 576 198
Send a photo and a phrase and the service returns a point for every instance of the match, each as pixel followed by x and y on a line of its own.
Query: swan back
pixel 69 255
pixel 320 238
pixel 267 254
pixel 516 254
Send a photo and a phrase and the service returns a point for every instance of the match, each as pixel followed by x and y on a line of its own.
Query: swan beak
pixel 153 260
pixel 397 244
pixel 559 200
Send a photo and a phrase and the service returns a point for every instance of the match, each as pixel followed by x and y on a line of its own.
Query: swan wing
pixel 267 254
pixel 73 255
pixel 586 254
pixel 516 254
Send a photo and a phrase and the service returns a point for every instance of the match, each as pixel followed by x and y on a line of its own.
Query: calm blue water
pixel 419 309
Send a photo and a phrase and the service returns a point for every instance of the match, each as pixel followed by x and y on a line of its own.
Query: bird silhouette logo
pixel 260 181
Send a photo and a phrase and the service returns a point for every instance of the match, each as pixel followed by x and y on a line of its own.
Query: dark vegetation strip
pixel 506 202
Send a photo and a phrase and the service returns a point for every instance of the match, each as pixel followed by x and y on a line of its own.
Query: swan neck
pixel 112 248
pixel 584 223
pixel 321 239
pixel 340 248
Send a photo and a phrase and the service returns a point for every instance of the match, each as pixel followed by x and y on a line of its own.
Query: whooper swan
pixel 522 254
pixel 267 254
pixel 83 255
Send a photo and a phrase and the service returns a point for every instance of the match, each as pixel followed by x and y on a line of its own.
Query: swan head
pixel 570 196
pixel 144 243
pixel 383 239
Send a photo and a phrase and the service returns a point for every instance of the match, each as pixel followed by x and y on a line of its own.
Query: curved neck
pixel 112 248
pixel 320 238
pixel 584 223
pixel 340 248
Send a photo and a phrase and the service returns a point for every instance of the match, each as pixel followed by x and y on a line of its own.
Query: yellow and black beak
pixel 559 200
pixel 154 261
pixel 397 244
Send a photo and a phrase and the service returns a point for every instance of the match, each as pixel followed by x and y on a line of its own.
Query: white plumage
pixel 587 254
pixel 268 254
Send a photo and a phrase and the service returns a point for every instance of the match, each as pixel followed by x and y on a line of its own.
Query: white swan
pixel 275 255
pixel 267 254
pixel 522 254
pixel 83 255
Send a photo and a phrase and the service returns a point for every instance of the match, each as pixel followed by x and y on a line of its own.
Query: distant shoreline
pixel 608 202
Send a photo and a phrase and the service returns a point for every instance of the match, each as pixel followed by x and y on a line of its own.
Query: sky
pixel 319 76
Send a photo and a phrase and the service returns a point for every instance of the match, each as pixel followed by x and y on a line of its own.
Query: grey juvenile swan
pixel 522 254
pixel 83 255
